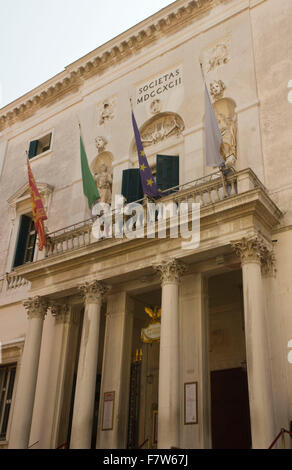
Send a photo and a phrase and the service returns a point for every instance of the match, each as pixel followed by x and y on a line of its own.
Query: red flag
pixel 38 211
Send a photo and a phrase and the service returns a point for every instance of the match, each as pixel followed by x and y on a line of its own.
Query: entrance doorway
pixel 230 415
pixel 230 409
pixel 143 399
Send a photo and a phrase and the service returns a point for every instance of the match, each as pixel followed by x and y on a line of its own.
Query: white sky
pixel 38 38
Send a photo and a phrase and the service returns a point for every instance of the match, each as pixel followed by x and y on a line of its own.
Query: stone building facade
pixel 74 371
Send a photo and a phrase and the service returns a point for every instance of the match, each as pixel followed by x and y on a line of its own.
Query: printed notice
pixel 191 416
pixel 108 411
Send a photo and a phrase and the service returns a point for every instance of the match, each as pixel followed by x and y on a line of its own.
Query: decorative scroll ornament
pixel 94 291
pixel 151 334
pixel 36 307
pixel 255 249
pixel 170 270
pixel 217 55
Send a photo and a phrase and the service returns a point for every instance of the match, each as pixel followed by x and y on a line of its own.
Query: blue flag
pixel 148 183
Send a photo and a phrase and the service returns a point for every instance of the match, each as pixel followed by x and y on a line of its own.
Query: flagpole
pixel 202 72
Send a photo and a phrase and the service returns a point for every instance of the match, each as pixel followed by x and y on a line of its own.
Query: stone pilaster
pixel 22 416
pixel 169 361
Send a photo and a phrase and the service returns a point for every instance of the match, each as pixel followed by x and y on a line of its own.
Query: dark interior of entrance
pixel 230 416
pixel 143 399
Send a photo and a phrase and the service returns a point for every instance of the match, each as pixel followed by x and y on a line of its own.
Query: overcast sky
pixel 38 38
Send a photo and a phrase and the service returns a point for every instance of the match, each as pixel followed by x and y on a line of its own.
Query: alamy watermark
pixel 136 220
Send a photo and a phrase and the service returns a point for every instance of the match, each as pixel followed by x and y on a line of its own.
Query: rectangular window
pixel 36 147
pixel 26 241
pixel 7 377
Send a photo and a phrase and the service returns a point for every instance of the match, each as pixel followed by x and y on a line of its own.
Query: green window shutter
pixel 131 185
pixel 23 233
pixel 167 171
pixel 33 146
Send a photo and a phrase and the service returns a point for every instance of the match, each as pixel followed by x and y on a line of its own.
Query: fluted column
pixel 255 256
pixel 169 364
pixel 87 366
pixel 22 414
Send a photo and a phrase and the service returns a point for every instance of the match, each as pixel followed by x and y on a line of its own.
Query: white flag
pixel 213 138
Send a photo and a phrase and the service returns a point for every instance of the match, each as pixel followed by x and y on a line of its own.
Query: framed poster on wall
pixel 108 411
pixel 191 403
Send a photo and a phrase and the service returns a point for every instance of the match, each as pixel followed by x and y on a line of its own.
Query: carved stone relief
pixel 216 55
pixel 161 127
pixel 106 110
pixel 155 106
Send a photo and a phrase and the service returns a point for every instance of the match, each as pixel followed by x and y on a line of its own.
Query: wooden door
pixel 230 409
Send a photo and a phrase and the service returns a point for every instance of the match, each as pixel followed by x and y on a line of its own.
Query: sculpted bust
pixel 101 143
pixel 217 88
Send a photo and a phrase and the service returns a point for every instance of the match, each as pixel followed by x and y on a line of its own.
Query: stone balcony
pixel 231 206
pixel 206 191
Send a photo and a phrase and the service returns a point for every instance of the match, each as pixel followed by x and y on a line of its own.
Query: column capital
pixel 93 292
pixel 36 307
pixel 61 312
pixel 170 270
pixel 255 249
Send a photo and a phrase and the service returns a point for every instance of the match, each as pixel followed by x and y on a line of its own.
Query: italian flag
pixel 89 186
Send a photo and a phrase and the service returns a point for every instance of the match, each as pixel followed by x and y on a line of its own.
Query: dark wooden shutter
pixel 23 234
pixel 131 185
pixel 167 171
pixel 33 146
